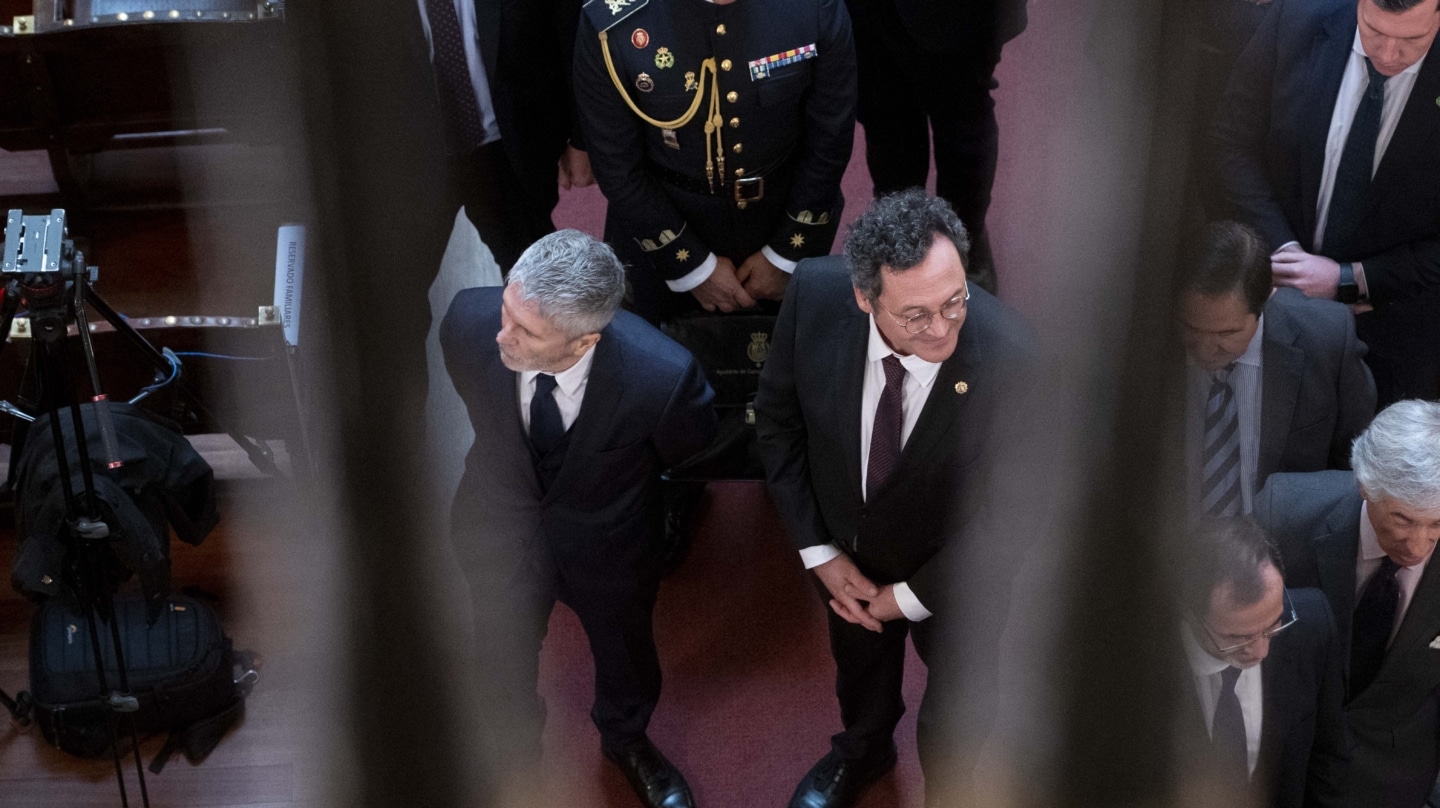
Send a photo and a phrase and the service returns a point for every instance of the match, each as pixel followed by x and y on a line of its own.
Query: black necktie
pixel 1220 462
pixel 452 75
pixel 1374 621
pixel 547 429
pixel 1357 166
pixel 1228 730
pixel 885 434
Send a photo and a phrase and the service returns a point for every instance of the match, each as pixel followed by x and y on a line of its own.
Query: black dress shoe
pixel 656 781
pixel 837 783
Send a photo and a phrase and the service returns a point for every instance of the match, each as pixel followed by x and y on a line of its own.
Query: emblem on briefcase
pixel 759 348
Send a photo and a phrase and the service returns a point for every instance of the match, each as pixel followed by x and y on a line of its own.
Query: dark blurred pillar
pixel 371 144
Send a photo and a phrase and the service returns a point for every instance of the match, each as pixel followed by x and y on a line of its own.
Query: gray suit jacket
pixel 1395 722
pixel 1317 394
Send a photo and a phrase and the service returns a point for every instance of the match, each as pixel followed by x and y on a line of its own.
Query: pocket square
pixel 1435 643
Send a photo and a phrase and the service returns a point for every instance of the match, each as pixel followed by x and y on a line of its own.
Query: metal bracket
pixel 24 24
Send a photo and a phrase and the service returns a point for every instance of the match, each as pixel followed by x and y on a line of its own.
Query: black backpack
pixel 182 670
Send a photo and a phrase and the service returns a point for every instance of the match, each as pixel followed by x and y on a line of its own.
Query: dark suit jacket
pixel 808 419
pixel 1270 134
pixel 1317 394
pixel 646 407
pixel 1315 518
pixel 1304 752
pixel 527 47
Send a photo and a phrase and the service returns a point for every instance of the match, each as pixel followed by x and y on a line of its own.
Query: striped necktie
pixel 1220 464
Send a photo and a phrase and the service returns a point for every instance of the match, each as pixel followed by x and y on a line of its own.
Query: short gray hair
pixel 1398 456
pixel 897 232
pixel 574 279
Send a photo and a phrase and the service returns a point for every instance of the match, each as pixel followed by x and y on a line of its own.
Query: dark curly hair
pixel 896 234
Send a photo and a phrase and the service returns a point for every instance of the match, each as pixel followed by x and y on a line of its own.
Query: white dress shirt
pixel 569 390
pixel 1247 380
pixel 1368 562
pixel 1205 670
pixel 470 32
pixel 1347 101
pixel 919 377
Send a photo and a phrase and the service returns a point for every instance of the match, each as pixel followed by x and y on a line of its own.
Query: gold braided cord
pixel 708 64
pixel 713 120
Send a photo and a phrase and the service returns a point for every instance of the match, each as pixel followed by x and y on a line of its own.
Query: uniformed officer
pixel 719 132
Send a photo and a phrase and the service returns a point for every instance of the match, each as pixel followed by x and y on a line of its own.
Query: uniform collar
pixel 876 350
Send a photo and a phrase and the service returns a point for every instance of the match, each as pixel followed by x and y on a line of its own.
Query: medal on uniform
pixel 643 83
pixel 664 58
pixel 690 82
pixel 640 38
pixel 671 139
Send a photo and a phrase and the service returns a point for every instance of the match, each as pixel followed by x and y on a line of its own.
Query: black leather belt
pixel 740 190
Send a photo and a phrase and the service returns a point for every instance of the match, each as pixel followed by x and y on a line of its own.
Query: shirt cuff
pixel 909 604
pixel 782 264
pixel 1285 245
pixel 694 277
pixel 819 554
pixel 1359 271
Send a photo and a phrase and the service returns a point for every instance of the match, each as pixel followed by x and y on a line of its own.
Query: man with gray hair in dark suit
pixel 1366 538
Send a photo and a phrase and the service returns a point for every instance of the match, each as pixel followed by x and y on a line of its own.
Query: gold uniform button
pixel 737 148
pixel 725 65
pixel 732 96
pixel 720 29
pixel 739 172
pixel 734 123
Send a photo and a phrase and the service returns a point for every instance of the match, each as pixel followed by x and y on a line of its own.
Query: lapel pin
pixel 962 388
pixel 1435 643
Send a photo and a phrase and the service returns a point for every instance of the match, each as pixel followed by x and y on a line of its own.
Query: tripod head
pixel 41 261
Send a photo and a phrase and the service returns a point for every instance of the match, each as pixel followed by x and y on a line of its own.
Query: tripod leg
pixel 260 454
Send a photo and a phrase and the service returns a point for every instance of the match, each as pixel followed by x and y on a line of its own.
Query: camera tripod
pixel 42 267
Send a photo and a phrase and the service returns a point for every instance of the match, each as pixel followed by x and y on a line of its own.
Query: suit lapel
pixel 1326 69
pixel 1273 720
pixel 849 371
pixel 1422 617
pixel 602 396
pixel 1415 133
pixel 1283 368
pixel 944 403
pixel 1335 554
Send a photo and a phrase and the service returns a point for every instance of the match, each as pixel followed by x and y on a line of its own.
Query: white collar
pixel 1359 48
pixel 924 372
pixel 1253 350
pixel 570 379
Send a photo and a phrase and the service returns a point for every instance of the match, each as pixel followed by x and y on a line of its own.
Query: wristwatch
pixel 1349 290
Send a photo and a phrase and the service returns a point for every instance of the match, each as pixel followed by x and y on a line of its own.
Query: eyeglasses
pixel 916 323
pixel 1288 619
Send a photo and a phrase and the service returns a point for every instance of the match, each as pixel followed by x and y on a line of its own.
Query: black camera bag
pixel 182 670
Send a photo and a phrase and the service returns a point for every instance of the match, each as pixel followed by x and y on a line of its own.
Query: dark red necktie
pixel 452 73
pixel 885 435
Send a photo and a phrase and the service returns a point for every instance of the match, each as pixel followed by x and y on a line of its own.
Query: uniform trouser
pixel 955 712
pixel 512 614
pixel 907 92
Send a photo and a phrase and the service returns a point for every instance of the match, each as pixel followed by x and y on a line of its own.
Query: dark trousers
pixel 869 673
pixel 512 604
pixel 908 93
pixel 506 211
pixel 1404 350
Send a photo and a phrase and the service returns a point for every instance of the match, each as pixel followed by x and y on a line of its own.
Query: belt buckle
pixel 744 182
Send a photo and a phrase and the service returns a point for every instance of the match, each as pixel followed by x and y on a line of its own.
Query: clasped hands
pixel 854 597
pixel 729 288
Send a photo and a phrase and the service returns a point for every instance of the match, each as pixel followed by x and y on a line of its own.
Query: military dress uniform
pixel 715 130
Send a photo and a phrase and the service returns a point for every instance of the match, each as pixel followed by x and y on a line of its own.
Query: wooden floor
pixel 255 765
